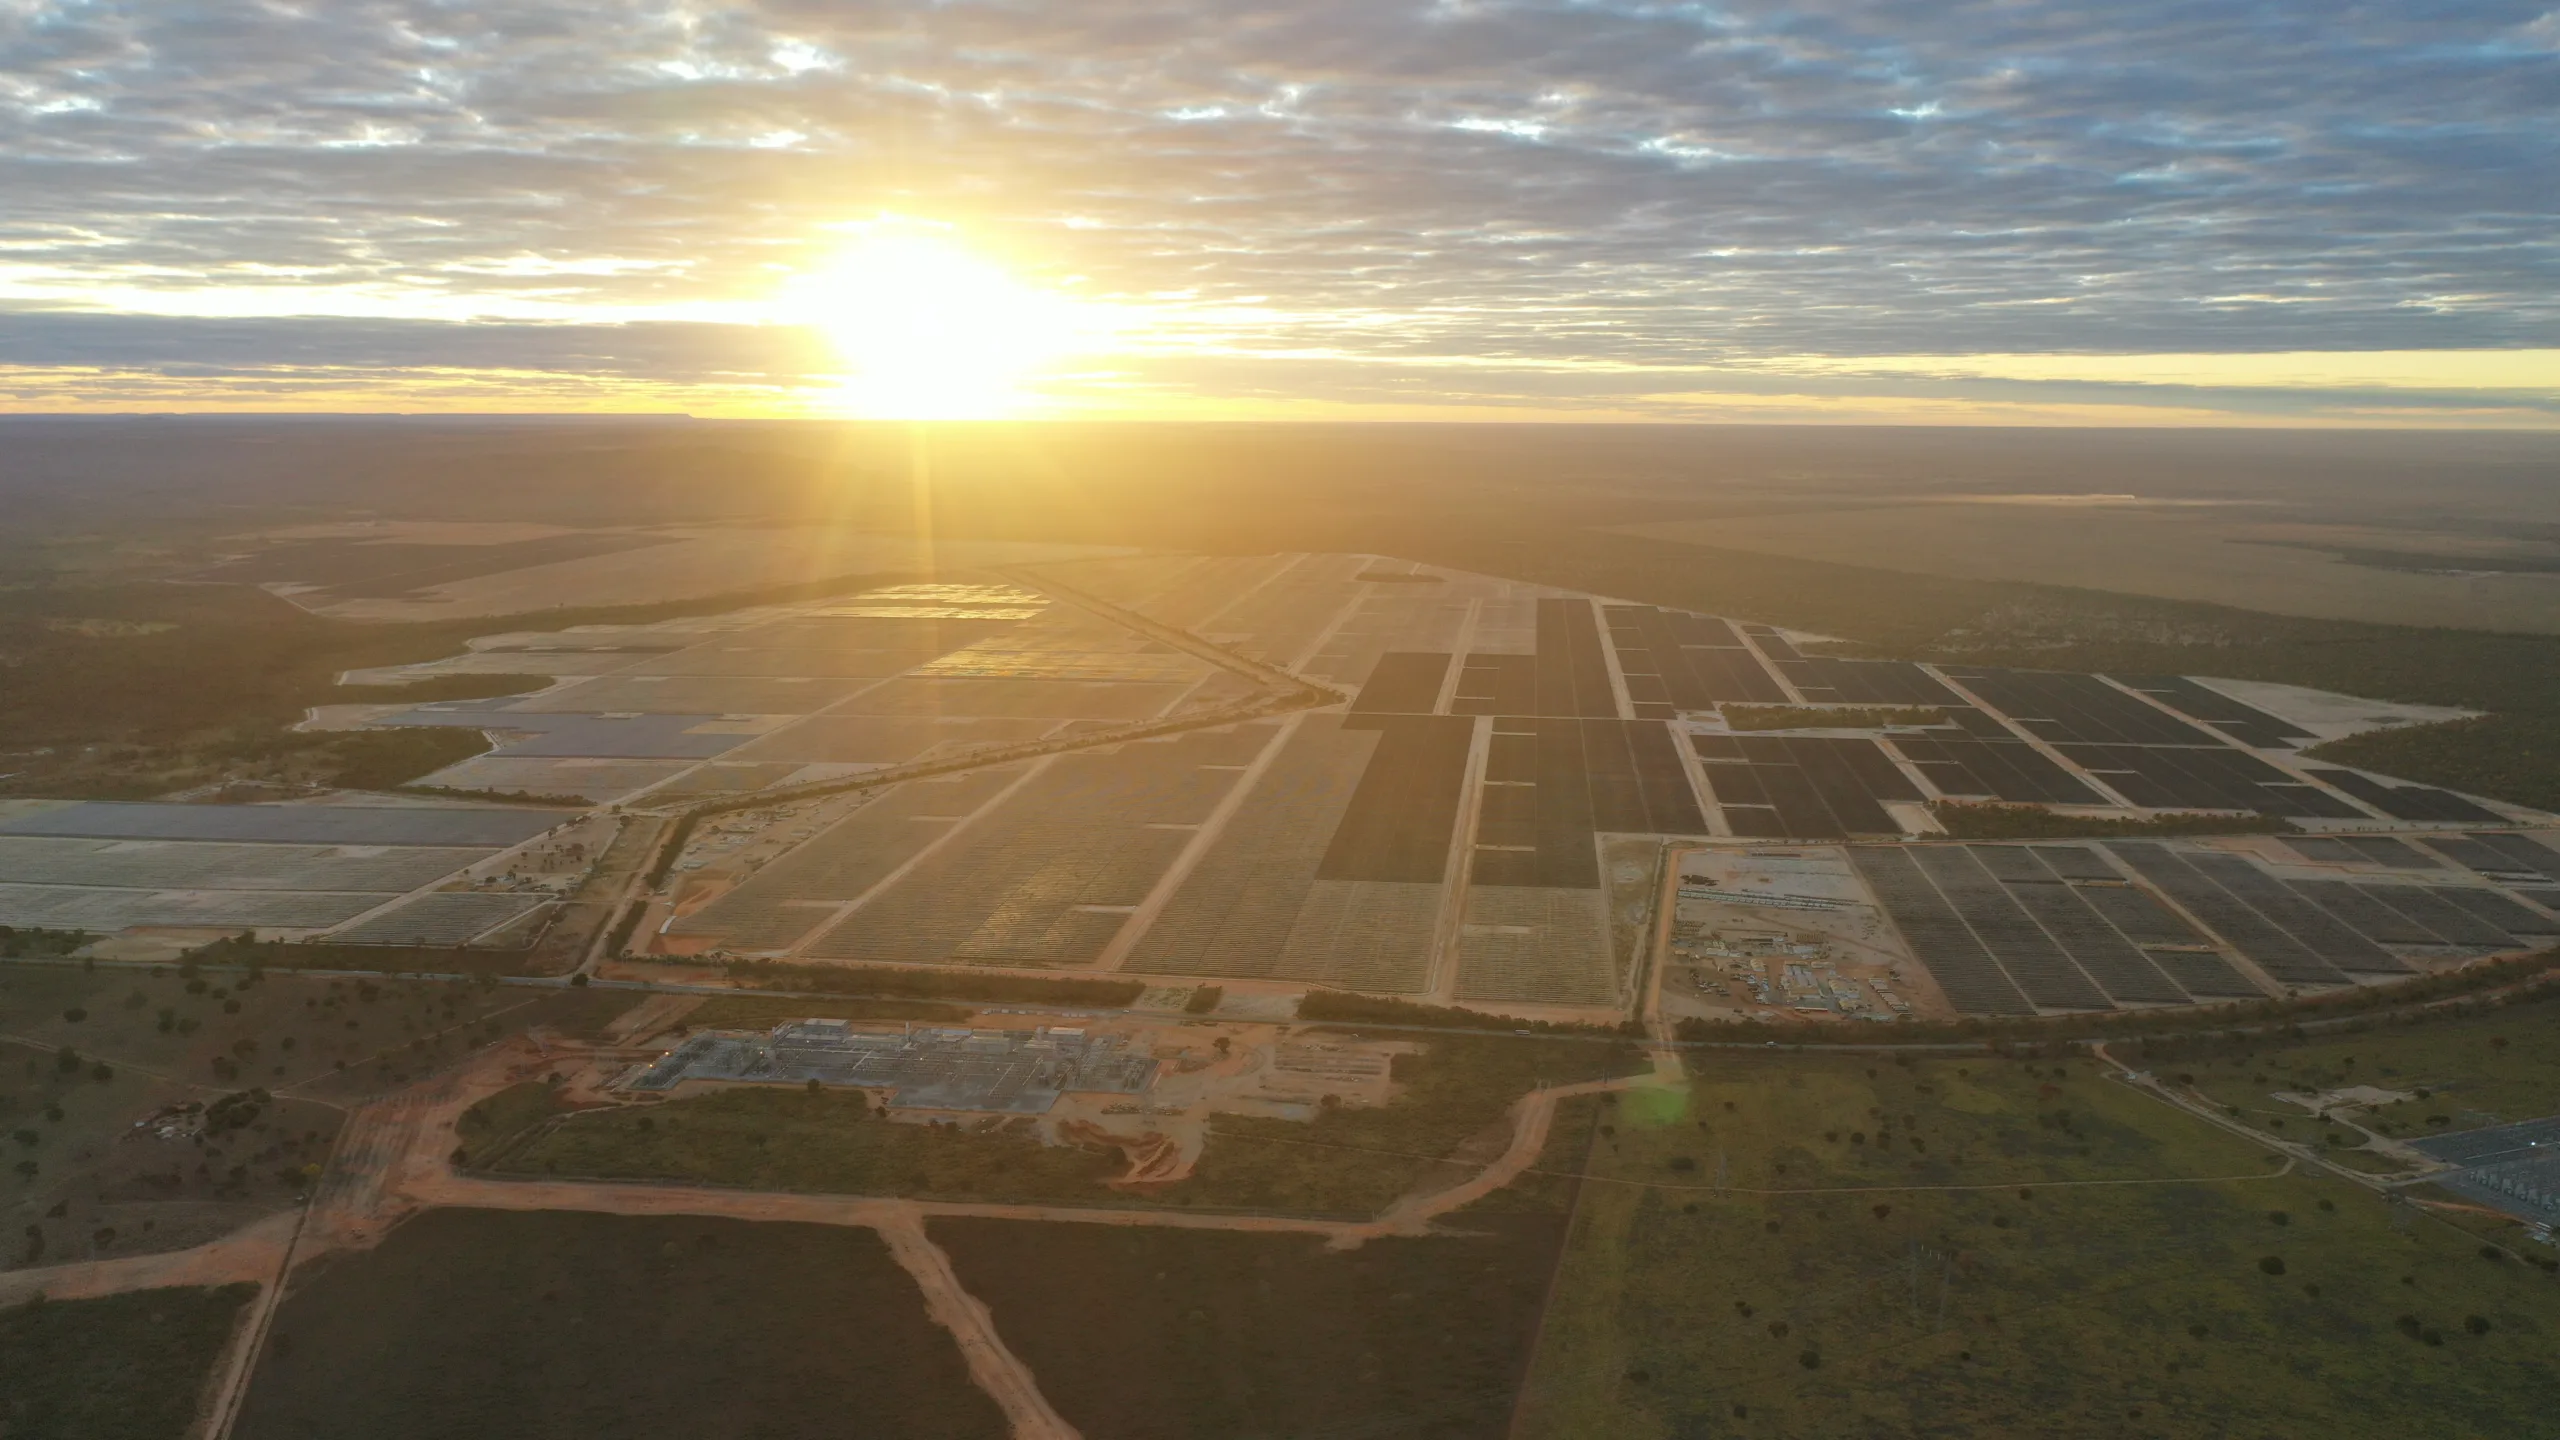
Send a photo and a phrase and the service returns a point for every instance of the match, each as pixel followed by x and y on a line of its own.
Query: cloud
pixel 1557 187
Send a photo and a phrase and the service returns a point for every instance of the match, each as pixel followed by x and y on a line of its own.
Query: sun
pixel 933 331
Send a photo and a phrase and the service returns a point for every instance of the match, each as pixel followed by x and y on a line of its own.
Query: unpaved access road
pixel 394 1160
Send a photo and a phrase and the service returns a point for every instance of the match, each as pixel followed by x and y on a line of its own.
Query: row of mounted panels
pixel 2142 736
pixel 2017 929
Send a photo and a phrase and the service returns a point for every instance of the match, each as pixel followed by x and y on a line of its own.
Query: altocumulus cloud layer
pixel 1610 208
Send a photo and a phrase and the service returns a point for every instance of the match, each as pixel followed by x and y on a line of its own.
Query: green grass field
pixel 473 1323
pixel 1359 1160
pixel 121 1367
pixel 2459 1073
pixel 77 1182
pixel 1784 1268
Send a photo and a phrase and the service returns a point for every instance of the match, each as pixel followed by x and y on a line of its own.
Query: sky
pixel 1929 211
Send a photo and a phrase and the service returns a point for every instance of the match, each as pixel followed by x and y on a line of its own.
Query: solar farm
pixel 2030 929
pixel 1293 771
pixel 1117 766
pixel 366 874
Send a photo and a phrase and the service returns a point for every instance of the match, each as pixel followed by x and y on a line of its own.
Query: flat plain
pixel 1823 1247
pixel 568 1324
pixel 2221 554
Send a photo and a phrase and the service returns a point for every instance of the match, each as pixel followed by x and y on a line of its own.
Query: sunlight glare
pixel 934 332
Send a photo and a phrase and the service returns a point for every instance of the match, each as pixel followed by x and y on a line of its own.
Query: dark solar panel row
pixel 2119 967
pixel 1772 644
pixel 2528 853
pixel 1586 775
pixel 2486 855
pixel 2252 934
pixel 1867 682
pixel 1401 818
pixel 1671 803
pixel 2035 963
pixel 2397 854
pixel 2003 769
pixel 2245 723
pixel 2369 916
pixel 2547 899
pixel 2169 940
pixel 2316 928
pixel 1972 981
pixel 1507 828
pixel 2077 862
pixel 2015 865
pixel 2361 850
pixel 1564 826
pixel 1819 788
pixel 2205 975
pixel 1497 685
pixel 1755 822
pixel 2407 802
pixel 1573 674
pixel 1724 675
pixel 2496 909
pixel 1689 662
pixel 2455 926
pixel 1403 682
pixel 2056 705
pixel 2144 920
pixel 2176 777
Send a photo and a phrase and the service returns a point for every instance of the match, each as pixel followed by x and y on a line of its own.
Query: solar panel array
pixel 1551 785
pixel 289 824
pixel 455 917
pixel 1051 874
pixel 1824 681
pixel 214 865
pixel 1674 661
pixel 1536 945
pixel 105 909
pixel 2246 723
pixel 2283 957
pixel 2362 850
pixel 789 897
pixel 1236 912
pixel 2008 929
pixel 1977 756
pixel 1803 787
pixel 1404 815
pixel 1972 981
pixel 1403 682
pixel 2149 756
pixel 2035 963
pixel 2406 802
pixel 2503 857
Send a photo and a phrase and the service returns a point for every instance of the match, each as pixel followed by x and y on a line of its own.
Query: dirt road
pixel 250 1254
pixel 997 1370
pixel 394 1160
pixel 1532 1118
